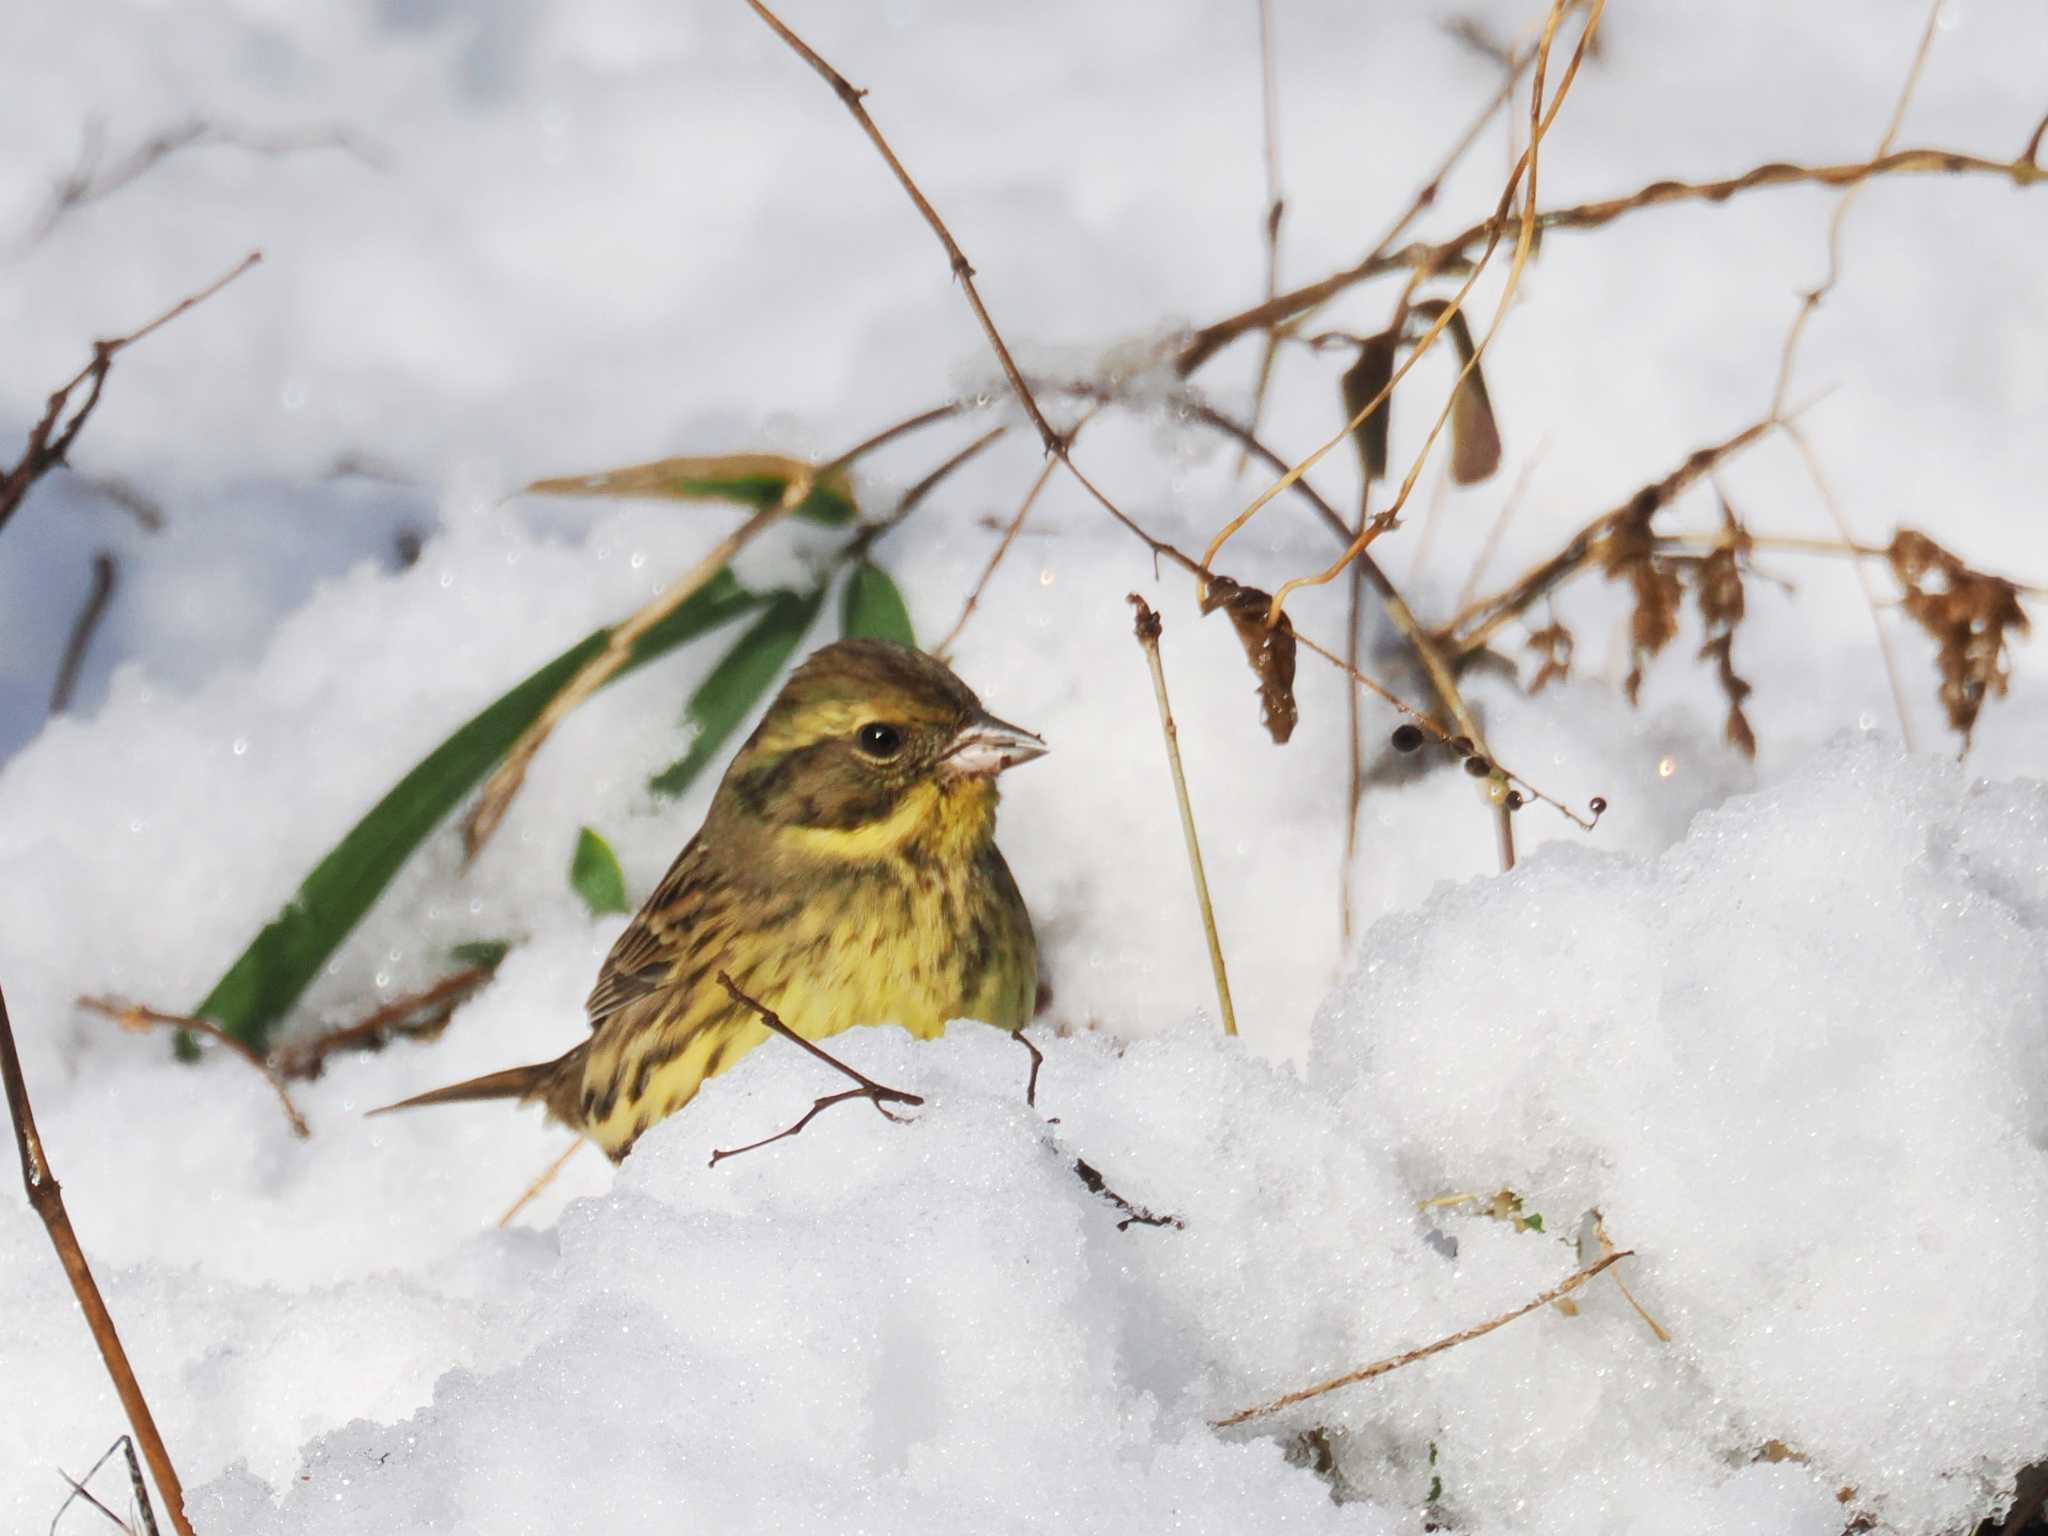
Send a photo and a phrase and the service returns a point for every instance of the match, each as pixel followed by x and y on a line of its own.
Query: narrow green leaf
pixel 752 479
pixel 594 872
pixel 268 976
pixel 484 954
pixel 871 607
pixel 737 684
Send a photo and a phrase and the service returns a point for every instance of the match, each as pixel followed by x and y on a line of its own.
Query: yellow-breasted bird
pixel 847 873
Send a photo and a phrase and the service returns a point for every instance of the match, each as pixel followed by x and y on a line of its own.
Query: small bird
pixel 847 873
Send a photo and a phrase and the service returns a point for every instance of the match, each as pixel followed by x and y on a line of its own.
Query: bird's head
pixel 871 746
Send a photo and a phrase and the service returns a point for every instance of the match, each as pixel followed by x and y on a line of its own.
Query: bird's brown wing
pixel 644 958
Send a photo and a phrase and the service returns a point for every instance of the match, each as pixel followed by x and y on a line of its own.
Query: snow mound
pixel 1797 1061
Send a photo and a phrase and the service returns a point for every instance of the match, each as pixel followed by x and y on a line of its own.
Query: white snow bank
pixel 1797 1061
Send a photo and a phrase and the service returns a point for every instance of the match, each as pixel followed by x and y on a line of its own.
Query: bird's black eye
pixel 880 741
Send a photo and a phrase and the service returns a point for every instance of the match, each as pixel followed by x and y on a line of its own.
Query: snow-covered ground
pixel 1784 1024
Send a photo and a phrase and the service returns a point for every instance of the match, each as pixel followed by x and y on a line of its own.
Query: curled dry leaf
pixel 1269 648
pixel 1971 617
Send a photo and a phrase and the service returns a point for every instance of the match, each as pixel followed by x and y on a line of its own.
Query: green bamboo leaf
pixel 737 683
pixel 755 480
pixel 872 607
pixel 594 872
pixel 268 976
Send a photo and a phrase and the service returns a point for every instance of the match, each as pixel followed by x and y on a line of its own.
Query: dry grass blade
pixel 134 1016
pixel 1148 627
pixel 540 1183
pixel 125 1447
pixel 50 439
pixel 1395 1362
pixel 46 1197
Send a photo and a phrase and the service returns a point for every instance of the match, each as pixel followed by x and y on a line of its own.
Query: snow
pixel 1781 1023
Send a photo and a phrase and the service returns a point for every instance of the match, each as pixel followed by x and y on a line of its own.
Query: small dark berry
pixel 1478 767
pixel 1462 745
pixel 1599 805
pixel 1515 800
pixel 1407 738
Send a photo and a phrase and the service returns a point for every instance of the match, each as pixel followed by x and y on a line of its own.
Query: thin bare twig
pixel 1134 1215
pixel 867 1088
pixel 546 1177
pixel 1790 351
pixel 1016 525
pixel 416 1016
pixel 858 546
pixel 89 180
pixel 1276 208
pixel 1037 1061
pixel 1395 1362
pixel 1148 628
pixel 105 574
pixel 1839 516
pixel 46 1197
pixel 134 1016
pixel 50 439
pixel 79 1490
pixel 850 95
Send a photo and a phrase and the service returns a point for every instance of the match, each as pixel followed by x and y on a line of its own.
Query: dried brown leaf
pixel 1475 435
pixel 1628 552
pixel 1268 647
pixel 1362 383
pixel 1971 617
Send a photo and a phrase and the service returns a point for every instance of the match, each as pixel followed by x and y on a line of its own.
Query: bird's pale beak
pixel 986 746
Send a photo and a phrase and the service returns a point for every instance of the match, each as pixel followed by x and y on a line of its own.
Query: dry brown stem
pixel 1471 628
pixel 46 1197
pixel 1526 167
pixel 850 95
pixel 133 1016
pixel 105 574
pixel 1395 1362
pixel 416 1016
pixel 144 1512
pixel 1147 628
pixel 867 1088
pixel 50 439
pixel 1449 256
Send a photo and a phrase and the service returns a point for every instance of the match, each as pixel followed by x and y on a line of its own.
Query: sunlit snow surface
pixel 1785 1026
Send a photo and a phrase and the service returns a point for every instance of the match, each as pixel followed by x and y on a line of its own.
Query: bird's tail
pixel 537 1083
